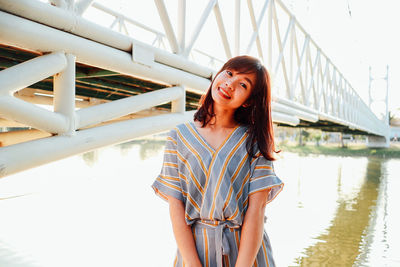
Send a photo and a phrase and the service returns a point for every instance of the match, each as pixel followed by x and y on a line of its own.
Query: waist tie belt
pixel 221 241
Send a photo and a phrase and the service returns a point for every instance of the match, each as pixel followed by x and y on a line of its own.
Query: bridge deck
pixel 93 82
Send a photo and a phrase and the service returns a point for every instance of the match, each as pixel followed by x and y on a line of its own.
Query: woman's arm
pixel 183 233
pixel 252 229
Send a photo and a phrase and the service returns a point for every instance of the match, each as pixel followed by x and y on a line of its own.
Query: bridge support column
pixel 179 105
pixel 64 94
pixel 378 141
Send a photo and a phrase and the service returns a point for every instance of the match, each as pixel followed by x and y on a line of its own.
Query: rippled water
pixel 98 209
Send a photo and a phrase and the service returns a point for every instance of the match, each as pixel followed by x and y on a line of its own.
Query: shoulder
pixel 182 126
pixel 178 130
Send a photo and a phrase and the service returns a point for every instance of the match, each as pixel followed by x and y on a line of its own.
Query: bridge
pixel 107 84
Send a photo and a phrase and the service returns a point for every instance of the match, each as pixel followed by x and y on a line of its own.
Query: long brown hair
pixel 256 114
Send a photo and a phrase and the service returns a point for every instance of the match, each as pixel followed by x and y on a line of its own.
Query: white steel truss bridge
pixel 107 84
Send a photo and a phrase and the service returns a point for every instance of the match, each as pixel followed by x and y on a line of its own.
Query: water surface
pixel 97 209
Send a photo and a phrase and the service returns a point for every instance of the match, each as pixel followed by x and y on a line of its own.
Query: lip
pixel 224 93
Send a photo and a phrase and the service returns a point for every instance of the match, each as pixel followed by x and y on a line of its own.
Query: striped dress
pixel 214 186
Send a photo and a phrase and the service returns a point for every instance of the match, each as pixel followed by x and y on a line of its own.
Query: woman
pixel 218 175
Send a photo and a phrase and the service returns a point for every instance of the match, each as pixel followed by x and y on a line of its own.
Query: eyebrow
pixel 247 79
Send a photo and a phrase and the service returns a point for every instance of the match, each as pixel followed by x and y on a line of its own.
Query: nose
pixel 229 83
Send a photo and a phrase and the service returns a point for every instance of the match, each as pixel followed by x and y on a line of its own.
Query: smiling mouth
pixel 224 93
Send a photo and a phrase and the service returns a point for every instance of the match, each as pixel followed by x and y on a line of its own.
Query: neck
pixel 224 118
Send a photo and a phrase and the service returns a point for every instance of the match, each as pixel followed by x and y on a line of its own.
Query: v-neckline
pixel 204 141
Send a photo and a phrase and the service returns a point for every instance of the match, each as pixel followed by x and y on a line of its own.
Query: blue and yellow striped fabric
pixel 215 186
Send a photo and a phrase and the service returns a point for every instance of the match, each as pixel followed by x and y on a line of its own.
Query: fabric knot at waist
pixel 221 241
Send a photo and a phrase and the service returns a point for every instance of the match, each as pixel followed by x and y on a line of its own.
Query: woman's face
pixel 231 89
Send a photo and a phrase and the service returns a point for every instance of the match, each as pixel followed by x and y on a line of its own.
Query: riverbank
pixel 351 150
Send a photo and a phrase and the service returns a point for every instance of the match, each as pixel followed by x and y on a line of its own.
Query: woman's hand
pixel 252 229
pixel 183 233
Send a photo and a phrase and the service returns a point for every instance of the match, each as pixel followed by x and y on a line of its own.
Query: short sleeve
pixel 168 182
pixel 263 177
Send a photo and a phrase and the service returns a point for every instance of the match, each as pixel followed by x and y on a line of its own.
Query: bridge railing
pixel 302 72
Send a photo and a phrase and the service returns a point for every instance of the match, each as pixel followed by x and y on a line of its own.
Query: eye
pixel 243 85
pixel 229 73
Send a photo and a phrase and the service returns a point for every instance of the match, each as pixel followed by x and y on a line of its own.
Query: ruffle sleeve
pixel 168 182
pixel 263 177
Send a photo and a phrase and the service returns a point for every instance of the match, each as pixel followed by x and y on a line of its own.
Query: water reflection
pixel 339 246
pixel 91 157
pixel 148 147
pixel 97 209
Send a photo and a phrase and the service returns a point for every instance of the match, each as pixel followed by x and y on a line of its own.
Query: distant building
pixel 395 130
pixel 395 133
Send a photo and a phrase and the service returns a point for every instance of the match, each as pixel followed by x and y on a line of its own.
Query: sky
pixel 355 34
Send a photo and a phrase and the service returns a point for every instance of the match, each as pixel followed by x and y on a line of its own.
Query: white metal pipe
pixel 291 58
pixel 58 147
pixel 161 55
pixel 118 15
pixel 24 74
pixel 64 93
pixel 178 62
pixel 284 118
pixel 294 105
pixel 199 26
pixel 179 105
pixel 278 107
pixel 30 35
pixel 237 27
pixel 283 45
pixel 49 100
pixel 300 61
pixel 181 23
pixel 82 5
pixel 256 27
pixel 66 21
pixel 59 3
pixel 222 32
pixel 76 21
pixel 270 34
pixel 301 28
pixel 124 27
pixel 387 96
pixel 70 22
pixel 278 38
pixel 313 70
pixel 169 31
pixel 118 108
pixel 29 114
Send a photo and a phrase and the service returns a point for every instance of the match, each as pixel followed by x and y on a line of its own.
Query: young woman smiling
pixel 218 175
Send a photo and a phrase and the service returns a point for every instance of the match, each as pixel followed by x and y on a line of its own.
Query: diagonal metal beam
pixel 222 32
pixel 81 6
pixel 278 39
pixel 237 27
pixel 200 26
pixel 118 108
pixel 181 23
pixel 256 27
pixel 24 74
pixel 29 114
pixel 166 22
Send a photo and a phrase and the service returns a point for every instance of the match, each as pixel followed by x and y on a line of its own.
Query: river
pixel 97 209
